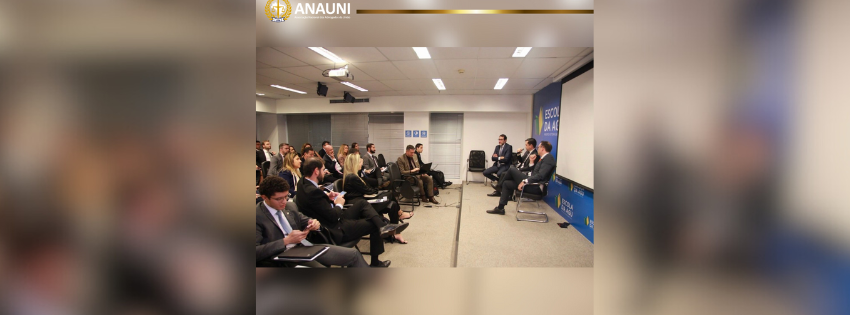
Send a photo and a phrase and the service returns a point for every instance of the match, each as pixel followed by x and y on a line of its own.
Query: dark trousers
pixel 510 182
pixel 362 219
pixel 371 181
pixel 497 170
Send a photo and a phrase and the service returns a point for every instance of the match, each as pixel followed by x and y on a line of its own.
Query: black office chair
pixel 265 168
pixel 476 163
pixel 381 162
pixel 402 188
pixel 520 194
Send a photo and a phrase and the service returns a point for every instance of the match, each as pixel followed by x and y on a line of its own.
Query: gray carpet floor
pixel 484 240
pixel 430 236
pixel 489 240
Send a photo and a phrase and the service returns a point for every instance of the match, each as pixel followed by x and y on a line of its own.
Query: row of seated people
pixel 529 170
pixel 376 177
pixel 281 225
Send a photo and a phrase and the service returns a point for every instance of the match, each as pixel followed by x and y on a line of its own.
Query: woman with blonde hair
pixel 355 188
pixel 291 171
pixel 343 153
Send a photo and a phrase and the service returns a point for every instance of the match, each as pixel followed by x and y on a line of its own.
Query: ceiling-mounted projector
pixel 339 74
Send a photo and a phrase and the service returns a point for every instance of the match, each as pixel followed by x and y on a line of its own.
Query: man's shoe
pixel 383 264
pixel 497 210
pixel 434 201
pixel 495 194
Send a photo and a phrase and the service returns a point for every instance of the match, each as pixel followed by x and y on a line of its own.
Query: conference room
pixel 482 156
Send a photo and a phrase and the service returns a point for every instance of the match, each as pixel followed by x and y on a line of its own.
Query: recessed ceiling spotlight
pixel 422 52
pixel 521 51
pixel 439 84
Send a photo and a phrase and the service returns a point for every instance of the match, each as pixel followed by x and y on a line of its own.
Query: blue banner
pixel 570 201
pixel 573 203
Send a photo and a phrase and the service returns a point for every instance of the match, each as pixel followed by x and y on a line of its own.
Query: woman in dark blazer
pixel 356 188
pixel 291 171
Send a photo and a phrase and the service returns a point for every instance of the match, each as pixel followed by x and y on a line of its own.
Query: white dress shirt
pixel 273 212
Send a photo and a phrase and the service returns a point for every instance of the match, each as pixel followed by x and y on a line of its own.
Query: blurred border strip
pixel 474 11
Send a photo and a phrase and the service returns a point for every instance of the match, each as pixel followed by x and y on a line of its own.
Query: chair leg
pixel 536 202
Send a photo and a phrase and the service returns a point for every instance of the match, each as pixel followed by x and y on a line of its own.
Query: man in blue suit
pixel 501 159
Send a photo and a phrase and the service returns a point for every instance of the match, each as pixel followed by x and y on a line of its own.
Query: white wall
pixel 281 131
pixel 481 132
pixel 427 103
pixel 266 105
pixel 267 128
pixel 485 117
pixel 418 121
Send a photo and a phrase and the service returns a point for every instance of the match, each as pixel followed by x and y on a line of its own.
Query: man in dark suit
pixel 344 224
pixel 501 159
pixel 264 154
pixel 370 166
pixel 514 179
pixel 277 160
pixel 332 164
pixel 322 151
pixel 525 164
pixel 280 227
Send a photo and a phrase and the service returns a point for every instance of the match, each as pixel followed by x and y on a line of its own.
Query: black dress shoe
pixel 495 194
pixel 496 210
pixel 383 264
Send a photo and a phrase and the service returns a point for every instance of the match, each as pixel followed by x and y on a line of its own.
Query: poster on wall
pixel 546 109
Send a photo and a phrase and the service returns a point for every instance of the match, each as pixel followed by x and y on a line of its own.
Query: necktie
pixel 286 228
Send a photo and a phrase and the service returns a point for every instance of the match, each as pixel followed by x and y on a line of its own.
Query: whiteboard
pixel 575 130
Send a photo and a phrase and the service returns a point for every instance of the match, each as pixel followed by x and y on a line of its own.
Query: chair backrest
pixel 381 161
pixel 395 173
pixel 477 159
pixel 338 185
pixel 265 168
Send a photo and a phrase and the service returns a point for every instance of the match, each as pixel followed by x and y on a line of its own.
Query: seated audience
pixel 514 179
pixel 355 149
pixel 281 227
pixel 321 150
pixel 408 165
pixel 356 189
pixel 332 164
pixel 371 169
pixel 276 164
pixel 419 149
pixel 344 224
pixel 343 153
pixel 291 171
pixel 305 146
